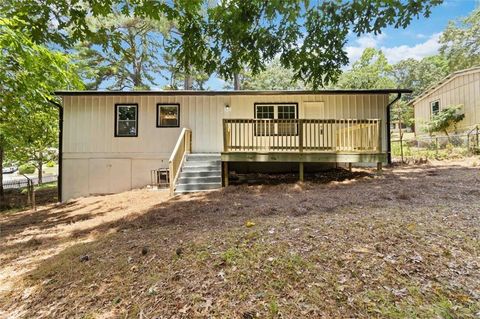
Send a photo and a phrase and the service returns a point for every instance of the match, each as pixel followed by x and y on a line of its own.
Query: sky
pixel 418 40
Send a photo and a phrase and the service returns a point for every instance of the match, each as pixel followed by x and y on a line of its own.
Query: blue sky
pixel 418 40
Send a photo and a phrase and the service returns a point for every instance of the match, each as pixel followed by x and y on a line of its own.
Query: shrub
pixel 26 169
pixel 51 164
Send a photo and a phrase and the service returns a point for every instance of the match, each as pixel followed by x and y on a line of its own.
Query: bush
pixel 51 164
pixel 26 169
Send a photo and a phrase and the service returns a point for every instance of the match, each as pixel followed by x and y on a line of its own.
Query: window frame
pixel 431 107
pixel 117 105
pixel 275 116
pixel 157 120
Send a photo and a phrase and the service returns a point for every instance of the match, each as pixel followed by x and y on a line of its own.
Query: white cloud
pixel 417 52
pixel 366 41
pixel 394 54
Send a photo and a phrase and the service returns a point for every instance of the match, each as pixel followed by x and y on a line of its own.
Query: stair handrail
pixel 175 162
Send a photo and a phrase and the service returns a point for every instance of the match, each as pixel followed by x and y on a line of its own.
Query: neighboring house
pixel 111 141
pixel 459 88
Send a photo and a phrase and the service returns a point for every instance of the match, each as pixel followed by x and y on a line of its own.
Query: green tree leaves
pixel 445 119
pixel 227 36
pixel 461 42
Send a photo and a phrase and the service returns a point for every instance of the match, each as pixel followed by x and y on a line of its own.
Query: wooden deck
pixel 303 140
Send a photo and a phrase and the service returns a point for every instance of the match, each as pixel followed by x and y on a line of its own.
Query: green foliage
pixel 371 71
pixel 227 36
pixel 445 120
pixel 275 77
pixel 51 164
pixel 461 42
pixel 418 75
pixel 26 169
pixel 127 58
pixel 29 74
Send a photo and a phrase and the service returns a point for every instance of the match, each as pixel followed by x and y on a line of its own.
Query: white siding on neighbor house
pixel 95 161
pixel 463 89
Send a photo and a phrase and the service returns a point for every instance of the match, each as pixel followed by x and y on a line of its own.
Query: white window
pixel 285 112
pixel 168 115
pixel 126 120
pixel 435 107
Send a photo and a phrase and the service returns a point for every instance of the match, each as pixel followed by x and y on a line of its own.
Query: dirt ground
pixel 403 245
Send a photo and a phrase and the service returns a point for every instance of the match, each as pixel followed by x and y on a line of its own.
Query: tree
pixel 128 58
pixel 38 141
pixel 461 42
pixel 226 36
pixel 444 120
pixel 275 77
pixel 29 74
pixel 371 71
pixel 418 75
pixel 176 78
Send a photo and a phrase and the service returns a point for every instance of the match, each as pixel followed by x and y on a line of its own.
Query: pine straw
pixel 399 246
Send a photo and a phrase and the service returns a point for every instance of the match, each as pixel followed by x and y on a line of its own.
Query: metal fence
pixel 23 182
pixel 438 146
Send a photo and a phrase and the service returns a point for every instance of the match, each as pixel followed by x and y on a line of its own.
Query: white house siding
pixel 94 161
pixel 462 89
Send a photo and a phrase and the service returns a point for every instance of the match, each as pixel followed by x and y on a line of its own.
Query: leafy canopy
pixel 445 119
pixel 371 71
pixel 461 42
pixel 29 74
pixel 226 36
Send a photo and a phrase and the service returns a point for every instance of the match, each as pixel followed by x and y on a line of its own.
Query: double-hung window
pixel 284 112
pixel 126 120
pixel 435 107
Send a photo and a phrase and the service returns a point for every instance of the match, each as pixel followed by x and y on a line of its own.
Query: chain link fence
pixel 437 147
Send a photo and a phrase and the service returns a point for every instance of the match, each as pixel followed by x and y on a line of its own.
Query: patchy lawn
pixel 400 246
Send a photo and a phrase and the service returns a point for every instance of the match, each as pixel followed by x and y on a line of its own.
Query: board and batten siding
pixel 97 162
pixel 463 89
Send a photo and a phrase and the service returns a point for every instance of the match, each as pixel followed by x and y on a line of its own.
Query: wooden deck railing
pixel 302 135
pixel 183 146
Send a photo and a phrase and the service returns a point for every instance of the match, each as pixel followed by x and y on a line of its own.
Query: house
pixel 459 88
pixel 111 141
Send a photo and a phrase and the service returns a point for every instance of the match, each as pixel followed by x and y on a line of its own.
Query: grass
pixel 416 153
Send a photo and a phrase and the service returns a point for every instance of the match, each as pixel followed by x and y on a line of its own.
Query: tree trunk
pixel 2 192
pixel 40 170
pixel 188 82
pixel 236 82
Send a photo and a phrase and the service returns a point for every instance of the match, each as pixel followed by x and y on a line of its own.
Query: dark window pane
pixel 127 128
pixel 435 107
pixel 127 112
pixel 168 115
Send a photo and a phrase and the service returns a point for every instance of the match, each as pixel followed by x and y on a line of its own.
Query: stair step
pixel 203 157
pixel 201 163
pixel 196 187
pixel 211 173
pixel 210 168
pixel 199 180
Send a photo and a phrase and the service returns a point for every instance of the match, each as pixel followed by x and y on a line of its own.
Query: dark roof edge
pixel 183 92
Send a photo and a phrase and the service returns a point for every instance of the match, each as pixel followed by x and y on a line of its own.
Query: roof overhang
pixel 230 93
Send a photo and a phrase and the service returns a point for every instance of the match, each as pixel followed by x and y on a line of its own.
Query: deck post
pixel 379 168
pixel 350 167
pixel 301 171
pixel 225 174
